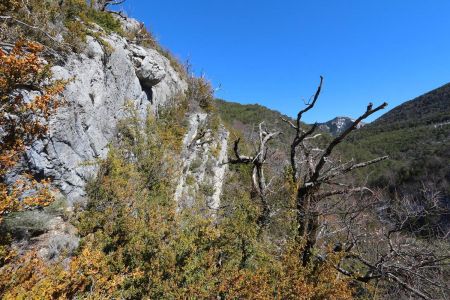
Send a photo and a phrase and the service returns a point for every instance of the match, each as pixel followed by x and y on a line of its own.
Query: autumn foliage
pixel 29 277
pixel 28 98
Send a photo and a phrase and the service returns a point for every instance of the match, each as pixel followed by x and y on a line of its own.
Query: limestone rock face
pixel 203 165
pixel 100 84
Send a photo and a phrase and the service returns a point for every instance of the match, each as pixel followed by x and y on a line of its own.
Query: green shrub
pixel 104 19
pixel 190 180
pixel 207 189
pixel 76 35
pixel 201 93
pixel 195 164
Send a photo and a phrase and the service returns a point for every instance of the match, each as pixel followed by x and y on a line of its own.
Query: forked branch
pixel 300 134
pixel 258 160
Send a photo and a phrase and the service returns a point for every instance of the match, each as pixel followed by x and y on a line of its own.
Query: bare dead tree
pixel 311 171
pixel 332 211
pixel 106 3
pixel 258 161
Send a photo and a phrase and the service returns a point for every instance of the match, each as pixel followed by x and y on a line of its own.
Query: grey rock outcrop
pixel 149 66
pixel 203 165
pixel 100 85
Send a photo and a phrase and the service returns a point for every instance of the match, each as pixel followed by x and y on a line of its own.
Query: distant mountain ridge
pixel 338 125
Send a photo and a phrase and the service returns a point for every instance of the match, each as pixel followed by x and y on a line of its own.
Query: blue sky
pixel 272 52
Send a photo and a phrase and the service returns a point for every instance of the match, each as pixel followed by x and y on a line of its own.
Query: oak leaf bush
pixel 28 98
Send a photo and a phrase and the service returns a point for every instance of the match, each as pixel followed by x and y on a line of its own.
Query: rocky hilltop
pixel 338 125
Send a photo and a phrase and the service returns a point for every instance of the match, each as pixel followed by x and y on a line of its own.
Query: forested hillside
pixel 416 136
pixel 246 118
pixel 432 108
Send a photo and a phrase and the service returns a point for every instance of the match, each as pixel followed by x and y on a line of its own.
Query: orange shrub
pixel 23 119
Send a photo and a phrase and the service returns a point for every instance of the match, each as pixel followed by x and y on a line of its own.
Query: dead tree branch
pixel 300 134
pixel 258 177
pixel 104 4
pixel 341 137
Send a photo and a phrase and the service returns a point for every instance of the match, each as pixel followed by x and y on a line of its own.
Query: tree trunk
pixel 308 222
pixel 303 203
pixel 260 185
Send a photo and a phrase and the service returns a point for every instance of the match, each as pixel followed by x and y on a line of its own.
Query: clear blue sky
pixel 272 52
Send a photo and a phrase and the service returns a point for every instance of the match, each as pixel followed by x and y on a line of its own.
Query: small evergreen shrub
pixel 104 19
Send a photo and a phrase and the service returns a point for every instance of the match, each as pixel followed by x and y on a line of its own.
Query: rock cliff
pixel 101 82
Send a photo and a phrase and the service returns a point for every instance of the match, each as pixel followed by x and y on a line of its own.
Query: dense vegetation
pixel 412 185
pixel 135 245
pixel 245 118
pixel 429 109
